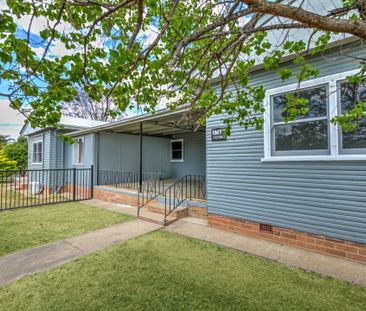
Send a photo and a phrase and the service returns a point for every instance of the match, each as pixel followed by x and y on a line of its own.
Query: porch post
pixel 140 159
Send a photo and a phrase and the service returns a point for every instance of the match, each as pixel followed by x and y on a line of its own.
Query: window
pixel 311 136
pixel 349 94
pixel 176 150
pixel 308 134
pixel 79 147
pixel 37 152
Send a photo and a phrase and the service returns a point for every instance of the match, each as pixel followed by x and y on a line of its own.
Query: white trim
pixel 36 142
pixel 73 151
pixel 341 157
pixel 331 81
pixel 171 150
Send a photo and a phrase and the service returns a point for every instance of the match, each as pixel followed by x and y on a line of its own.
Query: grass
pixel 164 271
pixel 30 227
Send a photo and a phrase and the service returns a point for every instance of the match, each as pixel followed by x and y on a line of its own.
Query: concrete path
pixel 18 265
pixel 116 207
pixel 328 265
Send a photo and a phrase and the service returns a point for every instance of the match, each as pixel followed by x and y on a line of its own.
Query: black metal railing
pixel 187 187
pixel 120 179
pixel 150 189
pixel 28 188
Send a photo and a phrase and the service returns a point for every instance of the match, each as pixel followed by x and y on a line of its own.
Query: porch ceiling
pixel 163 126
pixel 162 123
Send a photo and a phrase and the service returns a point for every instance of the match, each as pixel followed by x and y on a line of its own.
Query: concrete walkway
pixel 111 206
pixel 328 265
pixel 18 265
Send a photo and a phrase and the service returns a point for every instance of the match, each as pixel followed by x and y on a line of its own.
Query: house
pixel 46 150
pixel 300 183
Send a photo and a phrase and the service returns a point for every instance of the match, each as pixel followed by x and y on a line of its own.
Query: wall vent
pixel 266 228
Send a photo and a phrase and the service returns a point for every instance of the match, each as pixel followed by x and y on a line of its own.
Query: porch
pixel 160 158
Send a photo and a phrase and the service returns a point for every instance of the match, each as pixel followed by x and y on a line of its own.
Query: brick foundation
pixel 316 243
pixel 116 197
pixel 197 211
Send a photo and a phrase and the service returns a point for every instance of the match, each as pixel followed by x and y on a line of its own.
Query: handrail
pixel 187 187
pixel 149 190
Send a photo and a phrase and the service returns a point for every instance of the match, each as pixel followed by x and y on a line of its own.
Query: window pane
pixel 76 152
pixel 350 95
pixel 81 152
pixel 177 155
pixel 176 145
pixel 302 136
pixel 317 104
pixel 34 154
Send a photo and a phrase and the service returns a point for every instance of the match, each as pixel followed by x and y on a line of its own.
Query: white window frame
pixel 334 130
pixel 341 149
pixel 171 150
pixel 78 146
pixel 37 142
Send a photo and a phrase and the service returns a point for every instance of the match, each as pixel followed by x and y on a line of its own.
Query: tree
pixel 5 139
pixel 18 151
pixel 138 52
pixel 6 164
pixel 84 107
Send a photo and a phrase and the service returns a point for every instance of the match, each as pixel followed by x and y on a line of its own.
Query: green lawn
pixel 164 271
pixel 29 227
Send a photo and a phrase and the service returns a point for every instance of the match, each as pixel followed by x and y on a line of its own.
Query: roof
pixel 68 123
pixel 164 122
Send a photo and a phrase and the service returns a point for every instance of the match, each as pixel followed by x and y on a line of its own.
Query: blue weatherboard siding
pixel 325 198
pixel 194 155
pixel 120 152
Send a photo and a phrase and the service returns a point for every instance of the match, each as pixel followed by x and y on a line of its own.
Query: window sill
pixel 176 161
pixel 78 164
pixel 343 157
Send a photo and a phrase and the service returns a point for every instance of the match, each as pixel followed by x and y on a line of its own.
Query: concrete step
pixel 156 217
pixel 156 207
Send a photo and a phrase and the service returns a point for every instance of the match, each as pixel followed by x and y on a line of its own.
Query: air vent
pixel 266 228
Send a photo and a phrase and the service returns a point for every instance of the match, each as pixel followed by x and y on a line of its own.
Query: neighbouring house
pixel 300 183
pixel 46 150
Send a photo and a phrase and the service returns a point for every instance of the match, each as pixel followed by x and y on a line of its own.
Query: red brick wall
pixel 334 247
pixel 115 197
pixel 196 211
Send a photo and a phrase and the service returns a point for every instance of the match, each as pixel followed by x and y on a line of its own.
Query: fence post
pixel 92 181
pixel 74 183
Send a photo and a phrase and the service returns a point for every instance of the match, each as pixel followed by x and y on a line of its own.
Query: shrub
pixel 6 164
pixel 18 152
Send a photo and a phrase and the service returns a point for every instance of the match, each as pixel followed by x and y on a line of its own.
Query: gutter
pixel 129 121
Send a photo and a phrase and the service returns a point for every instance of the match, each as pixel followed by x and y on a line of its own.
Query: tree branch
pixel 353 27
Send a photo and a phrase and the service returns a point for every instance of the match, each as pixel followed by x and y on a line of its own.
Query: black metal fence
pixel 120 179
pixel 28 188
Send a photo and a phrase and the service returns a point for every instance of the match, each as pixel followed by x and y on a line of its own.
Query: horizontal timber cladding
pixel 325 198
pixel 194 155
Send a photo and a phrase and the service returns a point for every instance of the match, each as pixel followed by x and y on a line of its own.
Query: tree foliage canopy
pixel 6 163
pixel 18 151
pixel 142 52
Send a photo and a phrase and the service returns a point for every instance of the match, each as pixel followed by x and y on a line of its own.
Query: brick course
pixel 110 196
pixel 197 211
pixel 308 241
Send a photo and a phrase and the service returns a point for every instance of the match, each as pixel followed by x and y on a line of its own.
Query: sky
pixel 11 121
